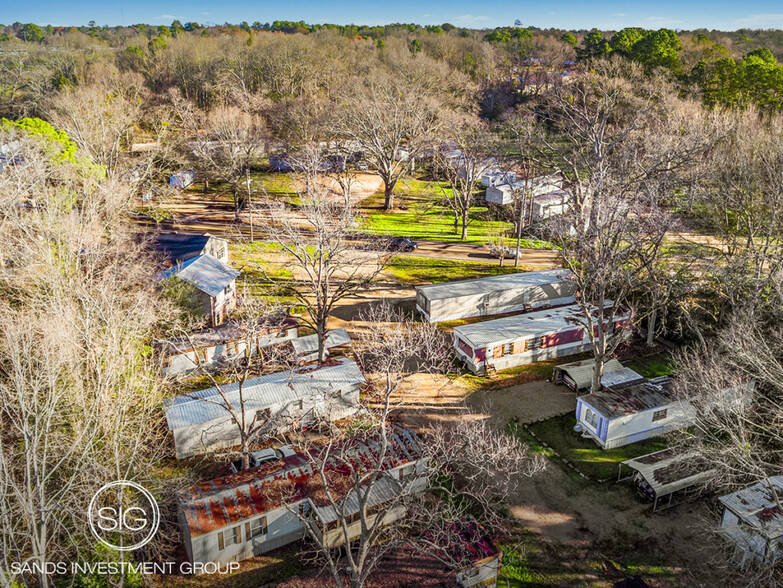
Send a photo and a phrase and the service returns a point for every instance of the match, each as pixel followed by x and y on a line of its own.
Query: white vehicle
pixel 263 456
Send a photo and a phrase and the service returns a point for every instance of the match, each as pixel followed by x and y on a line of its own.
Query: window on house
pixel 281 334
pixel 221 541
pixel 236 535
pixel 507 348
pixel 297 404
pixel 659 415
pixel 263 415
pixel 591 418
pixel 255 528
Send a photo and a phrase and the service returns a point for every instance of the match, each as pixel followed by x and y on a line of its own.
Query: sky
pixel 563 14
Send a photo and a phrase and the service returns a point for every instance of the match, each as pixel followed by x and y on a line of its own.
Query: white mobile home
pixel 201 422
pixel 263 508
pixel 495 295
pixel 551 204
pixel 228 341
pixel 526 338
pixel 630 408
pixel 497 178
pixel 508 193
pixel 753 521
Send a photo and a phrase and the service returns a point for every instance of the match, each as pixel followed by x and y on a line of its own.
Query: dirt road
pixel 475 252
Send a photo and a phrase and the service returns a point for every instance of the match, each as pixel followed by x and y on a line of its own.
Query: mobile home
pixel 228 341
pixel 201 422
pixel 753 522
pixel 495 295
pixel 630 408
pixel 242 515
pixel 526 338
pixel 508 193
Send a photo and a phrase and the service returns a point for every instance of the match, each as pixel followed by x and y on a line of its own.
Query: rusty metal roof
pixel 214 504
pixel 631 397
pixel 757 507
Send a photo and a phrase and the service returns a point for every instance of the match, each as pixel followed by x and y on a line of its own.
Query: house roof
pixel 502 283
pixel 630 397
pixel 262 392
pixel 670 470
pixel 208 274
pixel 211 505
pixel 554 197
pixel 309 343
pixel 522 326
pixel 757 507
pixel 179 247
pixel 228 331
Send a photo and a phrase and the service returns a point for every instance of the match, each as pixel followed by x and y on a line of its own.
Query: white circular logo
pixel 123 515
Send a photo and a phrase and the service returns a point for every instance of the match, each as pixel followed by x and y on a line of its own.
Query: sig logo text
pixel 123 515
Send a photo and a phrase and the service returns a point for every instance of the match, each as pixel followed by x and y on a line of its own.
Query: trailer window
pixel 659 415
pixel 591 418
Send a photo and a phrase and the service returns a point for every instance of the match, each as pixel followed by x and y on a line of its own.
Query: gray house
pixel 228 341
pixel 495 295
pixel 215 284
pixel 526 338
pixel 201 422
pixel 507 193
pixel 263 508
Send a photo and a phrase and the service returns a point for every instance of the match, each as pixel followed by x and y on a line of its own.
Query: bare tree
pixel 318 241
pixel 375 513
pixel 391 124
pixel 463 166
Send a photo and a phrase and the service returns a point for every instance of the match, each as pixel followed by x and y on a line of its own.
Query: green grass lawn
pixel 431 270
pixel 426 218
pixel 594 462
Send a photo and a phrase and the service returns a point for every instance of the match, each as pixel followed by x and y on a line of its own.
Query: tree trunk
pixel 388 194
pixel 598 371
pixel 519 232
pixel 321 340
pixel 651 320
pixel 464 225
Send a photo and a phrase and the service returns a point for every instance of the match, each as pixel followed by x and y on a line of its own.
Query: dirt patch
pixel 544 258
pixel 525 403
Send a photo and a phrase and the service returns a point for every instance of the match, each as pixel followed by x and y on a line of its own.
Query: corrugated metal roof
pixel 631 397
pixel 581 372
pixel 212 505
pixel 263 392
pixel 517 281
pixel 309 343
pixel 383 490
pixel 757 507
pixel 208 274
pixel 522 326
pixel 620 376
pixel 669 470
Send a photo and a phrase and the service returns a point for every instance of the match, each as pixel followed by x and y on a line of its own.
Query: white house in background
pixel 306 348
pixel 497 178
pixel 527 338
pixel 200 421
pixel 631 408
pixel 228 341
pixel 257 510
pixel 551 204
pixel 495 295
pixel 753 521
pixel 508 193
pixel 215 284
pixel 182 179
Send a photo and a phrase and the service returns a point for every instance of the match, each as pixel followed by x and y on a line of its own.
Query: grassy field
pixel 595 463
pixel 426 219
pixel 414 270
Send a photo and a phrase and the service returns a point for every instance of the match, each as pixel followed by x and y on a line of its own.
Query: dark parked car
pixel 402 244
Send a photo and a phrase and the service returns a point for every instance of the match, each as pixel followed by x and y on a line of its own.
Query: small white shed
pixel 578 375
